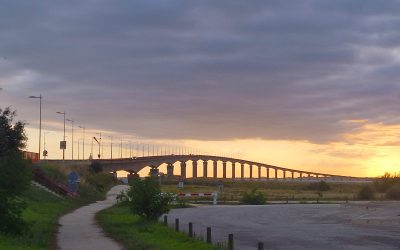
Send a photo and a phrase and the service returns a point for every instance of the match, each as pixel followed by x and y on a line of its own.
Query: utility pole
pixel 40 120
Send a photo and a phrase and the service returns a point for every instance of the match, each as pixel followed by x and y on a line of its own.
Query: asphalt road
pixel 298 226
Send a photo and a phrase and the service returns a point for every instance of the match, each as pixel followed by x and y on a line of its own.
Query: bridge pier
pixel 259 172
pixel 170 170
pixel 284 175
pixel 242 171
pixel 251 171
pixel 224 169
pixel 276 174
pixel 154 171
pixel 215 169
pixel 301 176
pixel 292 175
pixel 132 175
pixel 194 163
pixel 233 170
pixel 267 174
pixel 205 168
pixel 183 169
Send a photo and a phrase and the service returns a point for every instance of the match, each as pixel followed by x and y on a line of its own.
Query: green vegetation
pixel 14 174
pixel 135 232
pixel 146 200
pixel 272 190
pixel 319 186
pixel 253 198
pixel 393 193
pixel 366 193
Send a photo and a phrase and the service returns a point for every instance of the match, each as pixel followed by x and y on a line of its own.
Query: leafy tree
pixel 15 174
pixel 146 200
pixel 253 198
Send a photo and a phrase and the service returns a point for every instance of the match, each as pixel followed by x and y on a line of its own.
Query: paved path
pixel 299 226
pixel 78 230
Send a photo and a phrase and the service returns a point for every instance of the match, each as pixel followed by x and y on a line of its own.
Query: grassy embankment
pixel 136 233
pixel 44 209
pixel 273 191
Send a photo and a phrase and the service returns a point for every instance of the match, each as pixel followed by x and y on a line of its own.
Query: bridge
pixel 135 164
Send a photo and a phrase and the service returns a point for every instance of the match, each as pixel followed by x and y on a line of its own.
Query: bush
pixel 101 181
pixel 393 193
pixel 95 167
pixel 253 198
pixel 385 182
pixel 15 174
pixel 146 199
pixel 366 193
pixel 319 186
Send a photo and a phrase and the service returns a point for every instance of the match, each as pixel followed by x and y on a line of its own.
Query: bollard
pixel 190 229
pixel 260 246
pixel 230 241
pixel 177 224
pixel 209 235
pixel 165 220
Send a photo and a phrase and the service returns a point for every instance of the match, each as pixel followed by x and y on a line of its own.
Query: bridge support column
pixel 276 174
pixel 267 174
pixel 183 170
pixel 194 169
pixel 309 175
pixel 170 170
pixel 292 175
pixel 215 169
pixel 259 172
pixel 154 171
pixel 301 176
pixel 317 176
pixel 205 168
pixel 224 169
pixel 233 170
pixel 242 171
pixel 284 175
pixel 251 171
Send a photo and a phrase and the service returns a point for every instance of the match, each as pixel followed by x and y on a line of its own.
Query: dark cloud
pixel 206 69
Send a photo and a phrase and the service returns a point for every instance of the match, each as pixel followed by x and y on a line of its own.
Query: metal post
pixel 190 229
pixel 177 224
pixel 209 235
pixel 230 241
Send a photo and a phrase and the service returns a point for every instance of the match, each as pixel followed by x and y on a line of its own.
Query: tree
pixel 146 200
pixel 253 198
pixel 15 173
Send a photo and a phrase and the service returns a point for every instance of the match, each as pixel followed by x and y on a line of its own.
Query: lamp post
pixel 111 144
pixel 72 122
pixel 65 145
pixel 100 145
pixel 40 119
pixel 83 143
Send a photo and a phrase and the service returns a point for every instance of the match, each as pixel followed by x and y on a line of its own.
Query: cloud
pixel 206 70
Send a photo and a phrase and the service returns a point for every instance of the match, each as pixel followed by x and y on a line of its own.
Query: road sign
pixel 63 145
pixel 180 184
pixel 73 181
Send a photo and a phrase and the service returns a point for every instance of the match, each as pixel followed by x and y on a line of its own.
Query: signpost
pixel 73 181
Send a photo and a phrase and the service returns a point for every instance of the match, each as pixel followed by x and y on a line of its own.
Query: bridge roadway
pixel 135 164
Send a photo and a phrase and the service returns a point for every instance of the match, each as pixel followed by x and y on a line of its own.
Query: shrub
pixel 366 193
pixel 95 167
pixel 146 199
pixel 393 193
pixel 15 174
pixel 253 198
pixel 101 181
pixel 319 186
pixel 386 182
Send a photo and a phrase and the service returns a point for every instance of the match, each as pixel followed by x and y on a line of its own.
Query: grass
pixel 273 191
pixel 44 209
pixel 42 212
pixel 136 233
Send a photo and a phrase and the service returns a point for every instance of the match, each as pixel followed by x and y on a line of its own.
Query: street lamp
pixel 72 122
pixel 83 144
pixel 63 145
pixel 100 144
pixel 40 119
pixel 111 144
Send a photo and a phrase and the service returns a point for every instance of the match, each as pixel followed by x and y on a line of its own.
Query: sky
pixel 306 84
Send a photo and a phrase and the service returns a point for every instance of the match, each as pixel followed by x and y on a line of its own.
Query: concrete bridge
pixel 134 165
